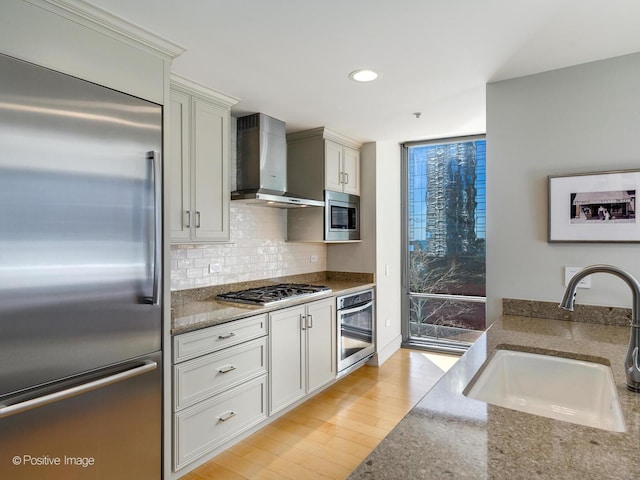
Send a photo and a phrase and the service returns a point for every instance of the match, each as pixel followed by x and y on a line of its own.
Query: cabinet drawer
pixel 208 340
pixel 206 376
pixel 209 424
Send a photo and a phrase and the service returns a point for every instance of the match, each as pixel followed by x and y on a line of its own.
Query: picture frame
pixel 594 207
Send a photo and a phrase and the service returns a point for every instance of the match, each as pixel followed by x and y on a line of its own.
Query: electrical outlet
pixel 387 323
pixel 314 259
pixel 569 272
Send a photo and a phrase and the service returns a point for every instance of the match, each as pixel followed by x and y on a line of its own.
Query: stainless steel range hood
pixel 262 164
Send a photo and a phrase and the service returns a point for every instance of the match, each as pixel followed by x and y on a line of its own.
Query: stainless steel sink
pixel 575 391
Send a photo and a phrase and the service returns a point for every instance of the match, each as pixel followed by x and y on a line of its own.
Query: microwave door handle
pixel 357 309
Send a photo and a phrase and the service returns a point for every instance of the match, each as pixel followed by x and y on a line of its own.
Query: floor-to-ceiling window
pixel 444 242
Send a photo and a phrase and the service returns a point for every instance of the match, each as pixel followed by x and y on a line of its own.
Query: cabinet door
pixel 177 166
pixel 209 171
pixel 207 340
pixel 332 166
pixel 321 343
pixel 287 357
pixel 209 424
pixel 212 374
pixel 351 170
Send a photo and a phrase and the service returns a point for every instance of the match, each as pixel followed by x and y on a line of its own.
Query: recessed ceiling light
pixel 363 75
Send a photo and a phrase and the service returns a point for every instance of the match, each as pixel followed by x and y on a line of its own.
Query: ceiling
pixel 291 58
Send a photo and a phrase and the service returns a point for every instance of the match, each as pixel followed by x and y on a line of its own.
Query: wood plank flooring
pixel 329 435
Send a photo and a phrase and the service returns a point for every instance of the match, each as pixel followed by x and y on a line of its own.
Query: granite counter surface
pixel 207 312
pixel 449 436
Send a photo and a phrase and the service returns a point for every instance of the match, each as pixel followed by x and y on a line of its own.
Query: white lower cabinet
pixel 302 343
pixel 229 378
pixel 209 424
pixel 200 342
pixel 219 386
pixel 210 374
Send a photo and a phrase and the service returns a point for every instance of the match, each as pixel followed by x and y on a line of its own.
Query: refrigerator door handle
pixel 8 410
pixel 157 201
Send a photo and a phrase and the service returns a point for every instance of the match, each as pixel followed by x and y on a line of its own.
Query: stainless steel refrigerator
pixel 80 276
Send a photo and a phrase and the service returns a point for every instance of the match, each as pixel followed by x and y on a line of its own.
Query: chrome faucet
pixel 631 365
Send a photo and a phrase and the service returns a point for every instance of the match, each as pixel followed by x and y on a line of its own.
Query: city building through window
pixel 445 242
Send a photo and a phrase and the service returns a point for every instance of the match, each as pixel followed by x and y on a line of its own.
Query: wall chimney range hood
pixel 262 164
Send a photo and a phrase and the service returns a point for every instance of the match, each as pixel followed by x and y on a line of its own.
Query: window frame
pixel 407 341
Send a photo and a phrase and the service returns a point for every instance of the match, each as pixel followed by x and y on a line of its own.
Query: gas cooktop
pixel 270 294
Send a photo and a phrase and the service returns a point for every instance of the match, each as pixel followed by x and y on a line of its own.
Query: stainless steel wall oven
pixel 356 329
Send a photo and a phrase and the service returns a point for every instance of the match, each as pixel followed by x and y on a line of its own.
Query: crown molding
pixel 192 87
pixel 105 22
pixel 324 133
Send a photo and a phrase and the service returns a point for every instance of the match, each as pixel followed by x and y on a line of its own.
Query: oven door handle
pixel 359 308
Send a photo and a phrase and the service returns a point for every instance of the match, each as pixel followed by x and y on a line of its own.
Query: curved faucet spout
pixel 631 364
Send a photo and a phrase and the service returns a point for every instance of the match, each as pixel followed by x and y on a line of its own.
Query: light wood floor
pixel 328 436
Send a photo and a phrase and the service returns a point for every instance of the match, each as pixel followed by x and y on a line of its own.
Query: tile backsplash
pixel 258 249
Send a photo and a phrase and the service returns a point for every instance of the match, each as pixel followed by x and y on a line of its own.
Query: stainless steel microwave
pixel 341 216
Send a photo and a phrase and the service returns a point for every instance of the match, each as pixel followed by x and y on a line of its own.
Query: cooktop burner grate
pixel 270 294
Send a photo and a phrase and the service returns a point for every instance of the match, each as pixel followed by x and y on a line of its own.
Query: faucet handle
pixel 631 364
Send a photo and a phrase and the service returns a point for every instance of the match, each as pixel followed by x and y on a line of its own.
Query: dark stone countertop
pixel 200 309
pixel 449 436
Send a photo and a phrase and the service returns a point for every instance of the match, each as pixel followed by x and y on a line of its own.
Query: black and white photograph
pixel 594 207
pixel 603 208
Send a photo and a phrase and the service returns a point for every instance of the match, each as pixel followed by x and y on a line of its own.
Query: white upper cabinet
pixel 341 168
pixel 321 159
pixel 333 169
pixel 178 167
pixel 199 163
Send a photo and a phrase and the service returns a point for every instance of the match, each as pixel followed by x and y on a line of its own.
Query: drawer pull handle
pixel 226 369
pixel 227 415
pixel 226 335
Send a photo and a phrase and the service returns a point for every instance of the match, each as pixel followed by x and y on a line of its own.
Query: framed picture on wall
pixel 594 207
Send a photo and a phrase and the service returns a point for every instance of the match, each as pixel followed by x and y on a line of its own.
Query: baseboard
pixel 383 354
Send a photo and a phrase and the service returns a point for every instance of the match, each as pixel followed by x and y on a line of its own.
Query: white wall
pixel 389 250
pixel 573 120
